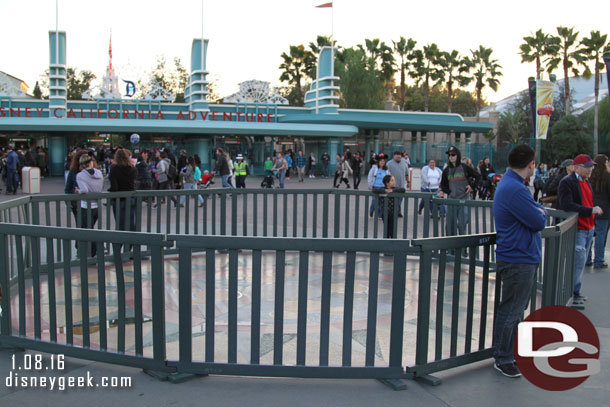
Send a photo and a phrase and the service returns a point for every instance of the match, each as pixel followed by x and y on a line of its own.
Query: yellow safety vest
pixel 240 169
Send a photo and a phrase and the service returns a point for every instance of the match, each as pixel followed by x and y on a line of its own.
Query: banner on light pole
pixel 544 107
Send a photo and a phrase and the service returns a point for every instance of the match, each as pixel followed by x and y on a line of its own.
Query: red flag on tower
pixel 325 5
pixel 110 51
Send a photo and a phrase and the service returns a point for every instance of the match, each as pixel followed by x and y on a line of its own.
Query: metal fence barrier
pixel 309 289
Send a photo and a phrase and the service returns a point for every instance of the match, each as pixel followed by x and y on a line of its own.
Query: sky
pixel 247 37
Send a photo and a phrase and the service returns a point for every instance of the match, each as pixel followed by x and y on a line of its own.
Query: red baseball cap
pixel 584 160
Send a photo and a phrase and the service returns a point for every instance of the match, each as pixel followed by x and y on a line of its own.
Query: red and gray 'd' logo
pixel 557 348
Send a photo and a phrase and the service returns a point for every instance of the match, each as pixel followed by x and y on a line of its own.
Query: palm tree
pixel 485 72
pixel 453 66
pixel 380 58
pixel 592 49
pixel 569 56
pixel 296 66
pixel 403 48
pixel 425 68
pixel 537 48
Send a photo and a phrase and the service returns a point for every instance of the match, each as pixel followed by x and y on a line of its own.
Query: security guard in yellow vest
pixel 241 172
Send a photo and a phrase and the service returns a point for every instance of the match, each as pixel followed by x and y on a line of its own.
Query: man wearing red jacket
pixel 575 195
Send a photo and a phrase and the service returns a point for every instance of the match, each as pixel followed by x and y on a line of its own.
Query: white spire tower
pixel 110 82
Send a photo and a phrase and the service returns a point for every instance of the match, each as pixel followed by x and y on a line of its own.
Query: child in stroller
pixel 269 174
pixel 206 180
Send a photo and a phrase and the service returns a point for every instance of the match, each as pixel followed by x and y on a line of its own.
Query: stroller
pixel 487 188
pixel 268 180
pixel 205 181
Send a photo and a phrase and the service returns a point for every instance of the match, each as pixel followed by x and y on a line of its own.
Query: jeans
pixel 584 239
pixel 601 236
pixel 11 180
pixel 301 172
pixel 281 175
pixel 120 213
pixel 517 284
pixel 356 179
pixel 325 168
pixel 89 224
pixel 312 170
pixel 421 203
pixel 225 181
pixel 189 186
pixel 458 218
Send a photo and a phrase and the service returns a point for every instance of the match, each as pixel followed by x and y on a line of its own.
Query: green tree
pixel 485 72
pixel 173 80
pixel 78 82
pixel 536 49
pixel 403 48
pixel 296 65
pixel 568 55
pixel 452 69
pixel 511 126
pixel 361 87
pixel 425 69
pixel 592 49
pixel 37 93
pixel 568 137
pixel 379 58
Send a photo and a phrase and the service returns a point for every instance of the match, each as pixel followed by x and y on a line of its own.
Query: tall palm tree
pixel 380 58
pixel 425 69
pixel 297 64
pixel 485 72
pixel 453 67
pixel 403 48
pixel 536 49
pixel 593 49
pixel 568 56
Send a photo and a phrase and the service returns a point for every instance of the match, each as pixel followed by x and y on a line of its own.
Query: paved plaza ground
pixel 474 385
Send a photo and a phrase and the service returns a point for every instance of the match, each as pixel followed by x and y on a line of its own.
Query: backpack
pixel 171 171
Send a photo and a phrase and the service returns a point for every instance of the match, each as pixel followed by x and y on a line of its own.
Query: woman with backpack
pixel 161 171
pixel 191 174
pixel 375 179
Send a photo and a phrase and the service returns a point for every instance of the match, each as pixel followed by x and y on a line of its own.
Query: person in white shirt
pixel 430 180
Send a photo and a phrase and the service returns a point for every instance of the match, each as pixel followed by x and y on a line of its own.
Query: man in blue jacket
pixel 12 161
pixel 519 220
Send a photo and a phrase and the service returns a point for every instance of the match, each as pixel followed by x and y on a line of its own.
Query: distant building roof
pixel 581 90
pixel 12 86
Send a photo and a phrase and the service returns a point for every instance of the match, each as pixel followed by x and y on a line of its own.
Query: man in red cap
pixel 575 195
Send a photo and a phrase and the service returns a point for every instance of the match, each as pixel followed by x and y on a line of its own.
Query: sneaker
pixel 578 297
pixel 589 264
pixel 577 301
pixel 601 266
pixel 508 369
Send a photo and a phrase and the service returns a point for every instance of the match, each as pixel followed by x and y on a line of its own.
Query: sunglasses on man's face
pixel 452 155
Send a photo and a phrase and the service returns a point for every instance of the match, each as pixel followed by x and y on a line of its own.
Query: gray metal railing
pixel 190 265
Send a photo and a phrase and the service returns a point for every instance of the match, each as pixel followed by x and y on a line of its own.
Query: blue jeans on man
pixel 11 180
pixel 458 218
pixel 281 175
pixel 599 244
pixel 584 239
pixel 225 181
pixel 517 284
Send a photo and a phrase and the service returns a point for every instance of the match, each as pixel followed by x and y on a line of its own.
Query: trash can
pixel 30 180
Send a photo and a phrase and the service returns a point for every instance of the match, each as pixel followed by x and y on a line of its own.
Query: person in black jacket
pixel 457 182
pixel 575 195
pixel 123 177
pixel 222 168
pixel 600 181
pixel 549 192
pixel 144 179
